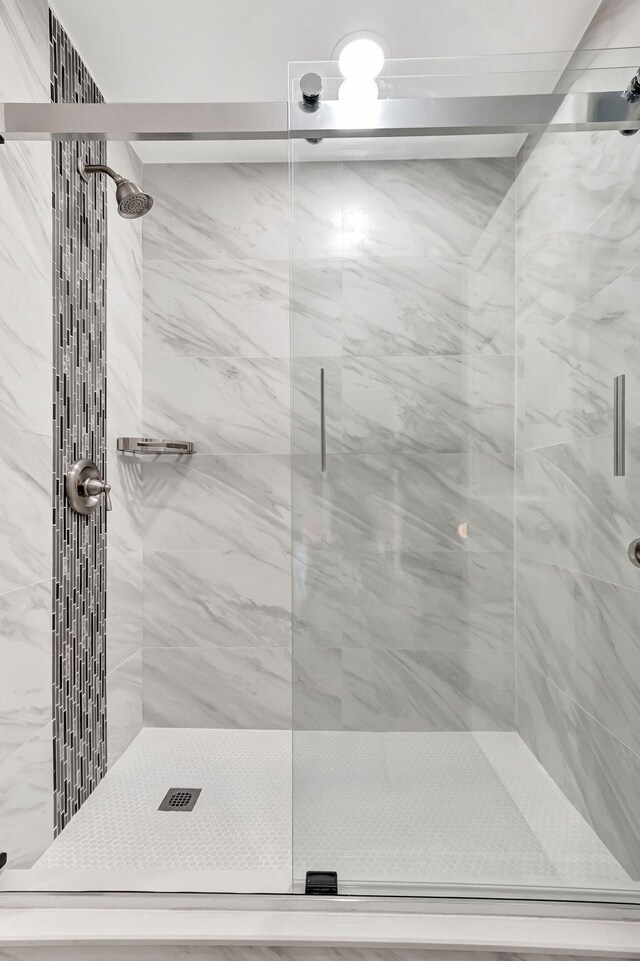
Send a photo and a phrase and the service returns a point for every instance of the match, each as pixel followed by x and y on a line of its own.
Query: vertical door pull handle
pixel 619 414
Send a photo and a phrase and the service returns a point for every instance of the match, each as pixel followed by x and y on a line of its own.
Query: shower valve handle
pixel 95 486
pixel 85 487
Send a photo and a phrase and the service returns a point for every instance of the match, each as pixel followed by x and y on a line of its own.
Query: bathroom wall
pixel 79 243
pixel 29 741
pixel 216 371
pixel 124 414
pixel 577 595
pixel 26 776
pixel 403 291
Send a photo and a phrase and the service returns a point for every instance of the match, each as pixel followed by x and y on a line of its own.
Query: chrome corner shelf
pixel 154 445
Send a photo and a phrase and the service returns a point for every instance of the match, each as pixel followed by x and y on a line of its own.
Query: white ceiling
pixel 208 50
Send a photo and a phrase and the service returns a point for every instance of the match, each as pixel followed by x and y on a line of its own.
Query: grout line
pixel 582 709
pixel 575 570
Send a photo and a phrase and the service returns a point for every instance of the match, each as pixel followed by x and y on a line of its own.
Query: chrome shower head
pixel 132 200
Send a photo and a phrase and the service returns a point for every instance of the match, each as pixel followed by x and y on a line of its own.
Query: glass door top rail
pixel 428 116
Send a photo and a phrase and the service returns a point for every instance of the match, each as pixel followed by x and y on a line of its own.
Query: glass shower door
pixel 441 717
pixel 403 389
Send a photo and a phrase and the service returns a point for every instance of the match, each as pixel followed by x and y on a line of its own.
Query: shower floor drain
pixel 180 799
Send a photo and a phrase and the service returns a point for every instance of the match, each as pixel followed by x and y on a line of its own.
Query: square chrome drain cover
pixel 180 799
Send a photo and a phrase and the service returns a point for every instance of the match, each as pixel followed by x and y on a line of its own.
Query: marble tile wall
pixel 124 418
pixel 26 776
pixel 216 371
pixel 577 595
pixel 403 290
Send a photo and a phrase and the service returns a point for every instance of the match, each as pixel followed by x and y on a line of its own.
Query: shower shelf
pixel 152 445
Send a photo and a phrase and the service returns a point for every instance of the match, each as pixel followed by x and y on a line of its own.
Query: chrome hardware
pixel 429 116
pixel 311 89
pixel 323 426
pixel 632 95
pixel 633 552
pixel 632 92
pixel 85 487
pixel 153 445
pixel 619 414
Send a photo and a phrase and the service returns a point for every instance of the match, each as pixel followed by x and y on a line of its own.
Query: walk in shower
pixel 375 614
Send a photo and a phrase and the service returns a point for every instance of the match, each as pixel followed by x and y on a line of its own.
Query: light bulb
pixel 355 90
pixel 361 58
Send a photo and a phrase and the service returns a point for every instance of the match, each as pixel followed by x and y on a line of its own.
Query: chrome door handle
pixel 323 426
pixel 619 414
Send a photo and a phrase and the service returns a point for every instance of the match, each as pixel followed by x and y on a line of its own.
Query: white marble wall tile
pixel 581 633
pixel 124 605
pixel 397 208
pixel 424 404
pixel 125 521
pixel 446 305
pixel 24 50
pixel 448 600
pixel 124 473
pixel 223 687
pixel 223 405
pixel 427 691
pixel 25 655
pixel 124 706
pixel 567 366
pixel 25 281
pixel 25 510
pixel 316 308
pixel 570 179
pixel 373 288
pixel 217 212
pixel 317 688
pixel 26 800
pixel 226 503
pixel 124 309
pixel 405 502
pixel 204 598
pixel 562 269
pixel 318 599
pixel 205 308
pixel 597 773
pixel 124 364
pixel 573 512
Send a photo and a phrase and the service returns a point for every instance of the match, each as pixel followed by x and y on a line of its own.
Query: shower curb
pixel 40 927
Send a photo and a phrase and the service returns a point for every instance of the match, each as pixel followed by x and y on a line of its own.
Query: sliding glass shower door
pixel 455 513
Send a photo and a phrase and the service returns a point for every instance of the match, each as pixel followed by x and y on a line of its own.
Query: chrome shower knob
pixel 85 487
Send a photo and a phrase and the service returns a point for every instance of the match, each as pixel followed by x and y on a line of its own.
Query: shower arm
pixel 85 168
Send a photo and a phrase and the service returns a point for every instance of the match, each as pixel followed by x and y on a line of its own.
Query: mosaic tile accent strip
pixel 79 412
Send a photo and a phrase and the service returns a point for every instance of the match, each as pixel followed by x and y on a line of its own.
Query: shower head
pixel 132 200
